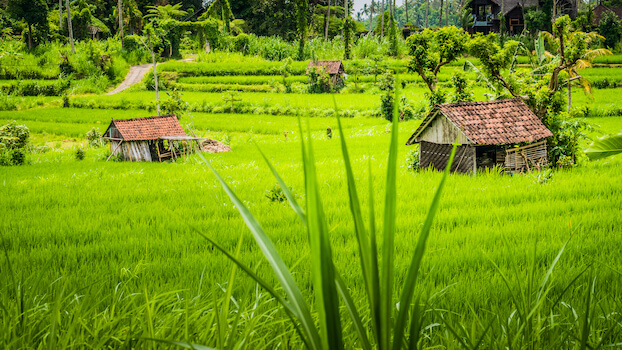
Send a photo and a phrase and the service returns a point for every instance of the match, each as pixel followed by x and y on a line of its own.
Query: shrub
pixel 276 194
pixel 79 153
pixel 320 80
pixel 412 160
pixel 387 100
pixel 94 138
pixel 241 43
pixel 611 28
pixel 13 142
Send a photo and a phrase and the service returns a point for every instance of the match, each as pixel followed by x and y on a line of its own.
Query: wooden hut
pixel 149 139
pixel 334 69
pixel 503 133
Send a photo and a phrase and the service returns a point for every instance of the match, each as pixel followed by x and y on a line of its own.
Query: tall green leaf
pixel 386 277
pixel 605 147
pixel 300 308
pixel 413 270
pixel 322 268
pixel 368 261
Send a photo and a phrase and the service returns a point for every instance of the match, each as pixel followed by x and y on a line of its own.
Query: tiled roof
pixel 332 67
pixel 150 128
pixel 491 122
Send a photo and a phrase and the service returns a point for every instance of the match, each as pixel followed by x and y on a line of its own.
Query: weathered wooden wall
pixel 442 131
pixel 437 155
pixel 136 151
pixel 533 156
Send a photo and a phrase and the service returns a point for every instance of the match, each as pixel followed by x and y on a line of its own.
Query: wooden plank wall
pixel 136 151
pixel 529 157
pixel 437 155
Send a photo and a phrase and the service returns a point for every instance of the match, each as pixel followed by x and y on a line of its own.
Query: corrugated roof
pixel 332 67
pixel 150 128
pixel 490 122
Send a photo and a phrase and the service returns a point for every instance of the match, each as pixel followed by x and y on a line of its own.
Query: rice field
pixel 103 254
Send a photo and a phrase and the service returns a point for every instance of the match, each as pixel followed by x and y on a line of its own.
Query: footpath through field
pixel 136 74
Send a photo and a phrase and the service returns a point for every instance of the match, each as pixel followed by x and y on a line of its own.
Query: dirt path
pixel 136 74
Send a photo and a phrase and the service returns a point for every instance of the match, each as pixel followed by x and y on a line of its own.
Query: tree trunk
pixel 447 13
pixel 29 36
pixel 60 16
pixel 327 22
pixel 73 49
pixel 427 11
pixel 121 22
pixel 569 95
pixel 440 16
pixel 406 6
pixel 371 16
pixel 382 20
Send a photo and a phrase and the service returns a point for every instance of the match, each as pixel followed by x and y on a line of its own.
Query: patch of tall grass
pixel 112 240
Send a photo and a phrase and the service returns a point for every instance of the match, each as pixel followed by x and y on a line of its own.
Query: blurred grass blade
pixel 322 268
pixel 289 310
pixel 357 322
pixel 281 271
pixel 386 277
pixel 375 276
pixel 415 326
pixel 290 197
pixel 413 270
pixel 605 147
pixel 370 269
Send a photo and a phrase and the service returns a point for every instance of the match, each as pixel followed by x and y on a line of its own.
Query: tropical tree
pixel 132 17
pixel 302 10
pixel 167 12
pixel 221 9
pixel 572 50
pixel 33 12
pixel 430 50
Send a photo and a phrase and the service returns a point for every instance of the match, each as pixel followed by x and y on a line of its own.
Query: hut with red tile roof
pixel 503 133
pixel 149 139
pixel 334 69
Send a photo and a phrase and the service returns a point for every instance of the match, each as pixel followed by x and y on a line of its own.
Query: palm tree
pixel 371 14
pixel 166 12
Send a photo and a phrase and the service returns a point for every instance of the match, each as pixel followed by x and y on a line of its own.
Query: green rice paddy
pixel 109 255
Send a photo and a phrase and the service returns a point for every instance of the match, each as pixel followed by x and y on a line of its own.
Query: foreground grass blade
pixel 605 147
pixel 299 306
pixel 413 270
pixel 386 283
pixel 370 269
pixel 289 310
pixel 322 268
pixel 357 322
pixel 288 194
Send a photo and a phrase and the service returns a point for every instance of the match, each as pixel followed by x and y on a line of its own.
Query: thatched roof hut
pixel 504 133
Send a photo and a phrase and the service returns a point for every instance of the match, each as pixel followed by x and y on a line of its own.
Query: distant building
pixel 599 13
pixel 487 14
pixel 148 139
pixel 334 69
pixel 503 133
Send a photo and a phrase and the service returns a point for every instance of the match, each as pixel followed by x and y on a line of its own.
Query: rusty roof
pixel 150 128
pixel 332 67
pixel 490 122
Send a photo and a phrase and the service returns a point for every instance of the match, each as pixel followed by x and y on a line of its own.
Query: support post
pixel 73 49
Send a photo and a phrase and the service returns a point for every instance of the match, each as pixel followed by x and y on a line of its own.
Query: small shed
pixel 503 133
pixel 334 69
pixel 150 139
